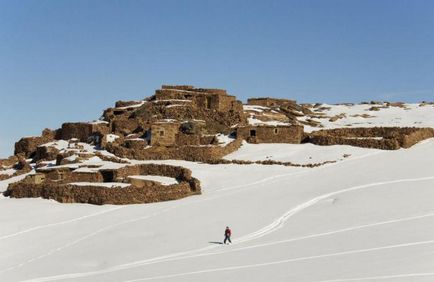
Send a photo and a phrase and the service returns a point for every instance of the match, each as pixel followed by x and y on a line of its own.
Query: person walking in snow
pixel 228 234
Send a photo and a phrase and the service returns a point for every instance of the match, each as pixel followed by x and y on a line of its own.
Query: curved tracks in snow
pixel 58 223
pixel 274 226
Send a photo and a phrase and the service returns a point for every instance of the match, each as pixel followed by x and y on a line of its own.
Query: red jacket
pixel 228 232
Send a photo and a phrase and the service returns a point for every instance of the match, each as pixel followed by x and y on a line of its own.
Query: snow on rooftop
pixel 111 137
pixel 139 104
pixel 99 122
pixel 59 144
pixel 255 108
pixel 175 105
pixel 172 100
pixel 72 158
pixel 167 120
pixel 254 121
pixel 164 180
pixel 224 140
pixel 102 184
pixel 9 171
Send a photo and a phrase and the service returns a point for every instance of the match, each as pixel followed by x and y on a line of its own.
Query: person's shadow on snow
pixel 217 243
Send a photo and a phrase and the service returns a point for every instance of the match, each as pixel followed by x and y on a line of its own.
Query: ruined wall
pixel 125 126
pixel 191 88
pixel 205 99
pixel 269 102
pixel 271 134
pixel 83 130
pixel 45 153
pixel 190 153
pixel 216 121
pixel 383 144
pixel 9 161
pixel 28 145
pixel 100 195
pixel 385 138
pixel 151 192
pixel 121 104
pixel 16 162
pixel 188 139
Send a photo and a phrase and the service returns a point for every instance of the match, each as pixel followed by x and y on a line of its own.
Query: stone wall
pixel 9 161
pixel 202 98
pixel 269 102
pixel 164 134
pixel 65 192
pixel 271 134
pixel 385 138
pixel 125 126
pixel 28 145
pixel 16 162
pixel 190 153
pixel 100 195
pixel 83 130
pixel 45 153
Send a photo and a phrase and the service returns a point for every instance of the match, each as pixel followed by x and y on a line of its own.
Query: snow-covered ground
pixel 297 153
pixel 360 115
pixel 367 217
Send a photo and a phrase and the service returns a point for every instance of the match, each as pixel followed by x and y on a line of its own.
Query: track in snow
pixel 410 244
pixel 274 226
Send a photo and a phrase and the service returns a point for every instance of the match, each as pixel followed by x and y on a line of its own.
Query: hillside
pixel 312 192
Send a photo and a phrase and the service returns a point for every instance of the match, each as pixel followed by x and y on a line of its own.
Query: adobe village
pixel 107 161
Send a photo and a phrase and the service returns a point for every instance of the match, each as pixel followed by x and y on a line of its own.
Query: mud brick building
pixel 203 98
pixel 271 134
pixel 164 133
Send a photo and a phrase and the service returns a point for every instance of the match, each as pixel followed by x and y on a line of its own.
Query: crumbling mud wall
pixel 63 191
pixel 82 130
pixel 28 145
pixel 269 102
pixel 269 162
pixel 271 134
pixel 189 153
pixel 101 195
pixel 385 138
pixel 288 107
pixel 18 163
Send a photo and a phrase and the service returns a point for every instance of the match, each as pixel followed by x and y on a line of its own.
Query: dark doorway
pixel 208 103
pixel 107 175
pixel 252 133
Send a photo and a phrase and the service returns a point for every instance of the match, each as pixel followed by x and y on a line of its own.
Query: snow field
pixel 368 216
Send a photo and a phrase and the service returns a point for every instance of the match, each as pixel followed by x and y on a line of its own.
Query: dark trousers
pixel 227 238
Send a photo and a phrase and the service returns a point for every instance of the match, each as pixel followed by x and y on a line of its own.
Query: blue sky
pixel 68 60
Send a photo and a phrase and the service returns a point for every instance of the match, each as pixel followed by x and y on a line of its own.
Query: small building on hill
pixel 84 130
pixel 202 98
pixel 164 133
pixel 292 134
